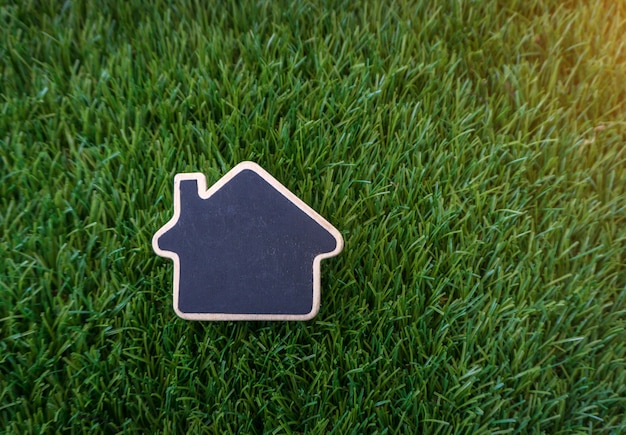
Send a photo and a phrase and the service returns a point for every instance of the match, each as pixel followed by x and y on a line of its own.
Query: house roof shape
pixel 245 249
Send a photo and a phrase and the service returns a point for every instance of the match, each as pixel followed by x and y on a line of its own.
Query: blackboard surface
pixel 246 249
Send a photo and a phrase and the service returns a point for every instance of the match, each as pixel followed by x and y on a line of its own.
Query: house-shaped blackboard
pixel 246 249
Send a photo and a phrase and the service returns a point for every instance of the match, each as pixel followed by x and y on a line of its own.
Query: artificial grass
pixel 471 153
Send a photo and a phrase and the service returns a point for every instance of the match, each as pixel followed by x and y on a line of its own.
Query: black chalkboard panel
pixel 246 249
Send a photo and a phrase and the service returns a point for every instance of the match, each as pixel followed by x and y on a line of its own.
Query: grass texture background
pixel 472 153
